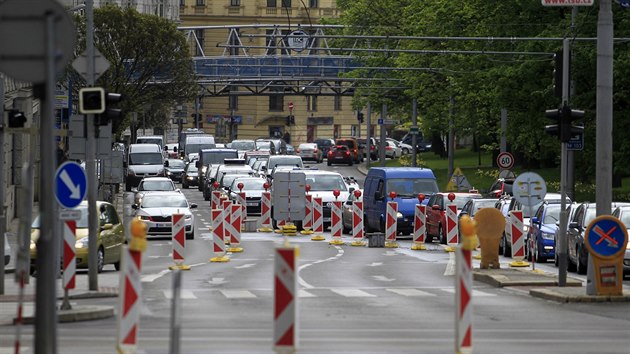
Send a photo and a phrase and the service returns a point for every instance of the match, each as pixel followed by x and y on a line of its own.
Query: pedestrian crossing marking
pixel 304 293
pixel 410 292
pixel 475 292
pixel 184 294
pixel 352 293
pixel 237 294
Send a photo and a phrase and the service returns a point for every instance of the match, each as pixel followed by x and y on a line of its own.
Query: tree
pixel 150 63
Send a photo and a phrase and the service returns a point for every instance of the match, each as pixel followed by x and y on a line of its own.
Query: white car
pixel 405 148
pixel 323 183
pixel 253 187
pixel 157 208
pixel 392 150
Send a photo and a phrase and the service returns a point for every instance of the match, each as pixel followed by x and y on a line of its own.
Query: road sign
pixel 505 160
pixel 576 142
pixel 413 130
pixel 70 184
pixel 606 236
pixel 24 36
pixel 380 121
pixel 100 64
pixel 290 106
pixel 298 40
pixel 567 2
pixel 529 189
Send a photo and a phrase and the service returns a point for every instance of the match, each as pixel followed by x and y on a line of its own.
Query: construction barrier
pixel 285 325
pixel 452 234
pixel 357 223
pixel 178 232
pixel 265 212
pixel 518 243
pixel 69 254
pixel 463 299
pixel 130 289
pixel 307 222
pixel 215 200
pixel 419 227
pixel 227 215
pixel 318 219
pixel 218 242
pixel 241 199
pixel 336 224
pixel 391 225
pixel 235 228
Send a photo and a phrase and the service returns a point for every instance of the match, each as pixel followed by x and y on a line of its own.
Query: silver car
pixel 157 208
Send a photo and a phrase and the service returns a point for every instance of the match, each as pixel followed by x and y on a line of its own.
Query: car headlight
pixel 168 173
pixel 188 217
pixel 81 243
pixel 33 245
pixel 161 172
pixel 204 169
pixel 190 178
pixel 547 236
pixel 145 217
pixel 130 172
pixel 399 215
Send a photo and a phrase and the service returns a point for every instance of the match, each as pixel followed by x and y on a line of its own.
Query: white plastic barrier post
pixel 178 232
pixel 285 324
pixel 218 243
pixel 463 299
pixel 419 225
pixel 131 288
pixel 241 198
pixel 358 234
pixel 318 219
pixel 336 225
pixel 227 221
pixel 307 222
pixel 215 200
pixel 452 233
pixel 265 212
pixel 235 228
pixel 391 222
pixel 69 260
pixel 518 242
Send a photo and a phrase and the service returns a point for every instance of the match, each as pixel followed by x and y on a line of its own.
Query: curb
pixel 501 280
pixel 554 295
pixel 78 313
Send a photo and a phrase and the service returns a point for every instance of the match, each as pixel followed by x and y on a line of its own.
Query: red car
pixel 436 212
pixel 340 154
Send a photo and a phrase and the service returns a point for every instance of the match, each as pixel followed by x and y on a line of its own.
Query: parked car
pixel 156 210
pixel 324 144
pixel 422 145
pixel 404 147
pixel 543 227
pixel 109 241
pixel 501 186
pixel 253 187
pixel 310 151
pixel 175 169
pixel 189 176
pixel 392 150
pixel 623 213
pixel 372 148
pixel 353 146
pixel 339 154
pixel 436 212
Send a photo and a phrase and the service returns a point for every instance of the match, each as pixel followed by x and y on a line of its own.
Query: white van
pixel 143 160
pixel 197 142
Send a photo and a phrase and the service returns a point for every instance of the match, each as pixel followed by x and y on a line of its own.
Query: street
pixel 351 300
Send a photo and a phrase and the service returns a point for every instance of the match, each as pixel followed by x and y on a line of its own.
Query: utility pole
pixel 368 136
pixel 381 147
pixel 3 217
pixel 414 137
pixel 451 137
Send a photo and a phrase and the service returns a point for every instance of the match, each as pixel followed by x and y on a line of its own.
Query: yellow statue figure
pixel 467 228
pixel 490 226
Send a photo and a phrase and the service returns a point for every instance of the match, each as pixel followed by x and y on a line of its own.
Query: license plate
pixel 326 219
pixel 252 204
pixel 161 225
pixel 338 157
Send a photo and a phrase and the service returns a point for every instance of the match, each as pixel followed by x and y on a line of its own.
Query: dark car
pixel 189 176
pixel 500 187
pixel 324 144
pixel 339 154
pixel 175 169
pixel 421 144
pixel 542 230
pixel 363 147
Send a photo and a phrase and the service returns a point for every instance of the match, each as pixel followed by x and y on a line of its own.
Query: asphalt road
pixel 351 300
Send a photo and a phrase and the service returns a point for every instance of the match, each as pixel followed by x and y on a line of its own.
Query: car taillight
pixel 347 153
pixel 330 153
pixel 315 150
pixel 372 147
pixel 388 148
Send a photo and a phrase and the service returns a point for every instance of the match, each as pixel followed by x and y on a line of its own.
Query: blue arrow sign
pixel 606 236
pixel 70 184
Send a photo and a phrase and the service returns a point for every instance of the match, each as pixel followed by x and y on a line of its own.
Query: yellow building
pixel 261 31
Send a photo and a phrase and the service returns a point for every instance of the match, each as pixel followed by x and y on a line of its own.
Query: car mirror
pixel 166 163
pixel 134 189
pixel 378 196
pixel 107 227
pixel 197 164
pixel 178 190
pixel 193 205
pixel 535 220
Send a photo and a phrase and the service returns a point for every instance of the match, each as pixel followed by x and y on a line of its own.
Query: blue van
pixel 407 182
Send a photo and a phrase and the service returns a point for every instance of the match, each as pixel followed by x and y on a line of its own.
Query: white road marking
pixel 217 281
pixel 152 277
pixel 375 264
pixel 248 265
pixel 184 294
pixel 352 293
pixel 475 292
pixel 450 267
pixel 304 293
pixel 238 294
pixel 410 292
pixel 382 278
pixel 303 282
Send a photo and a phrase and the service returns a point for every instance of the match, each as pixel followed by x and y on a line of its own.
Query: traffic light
pixel 360 117
pixel 91 100
pixel 110 113
pixel 558 65
pixel 564 118
pixel 290 120
pixel 17 119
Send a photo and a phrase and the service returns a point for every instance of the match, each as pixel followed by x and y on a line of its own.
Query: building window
pixel 311 103
pixel 235 2
pixel 286 3
pixel 337 102
pixel 271 3
pixel 200 2
pixel 199 33
pixel 313 4
pixel 276 103
pixel 182 2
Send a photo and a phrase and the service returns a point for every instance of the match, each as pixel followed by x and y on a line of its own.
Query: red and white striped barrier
pixel 391 224
pixel 357 224
pixel 241 199
pixel 452 234
pixel 227 220
pixel 215 200
pixel 463 299
pixel 218 243
pixel 307 222
pixel 318 219
pixel 178 232
pixel 419 227
pixel 285 324
pixel 265 213
pixel 336 225
pixel 235 228
pixel 518 239
pixel 69 254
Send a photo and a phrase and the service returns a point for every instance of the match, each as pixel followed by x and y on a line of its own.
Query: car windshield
pixel 176 163
pixel 156 186
pixel 461 200
pixel 591 213
pixel 82 222
pixel 625 217
pixel 191 169
pixel 411 187
pixel 195 148
pixel 217 157
pixel 228 179
pixel 326 183
pixel 164 201
pixel 149 141
pixel 552 215
pixel 243 145
pixel 149 158
pixel 249 184
pixel 483 204
pixel 263 145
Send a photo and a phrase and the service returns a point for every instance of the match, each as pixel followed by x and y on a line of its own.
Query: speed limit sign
pixel 505 160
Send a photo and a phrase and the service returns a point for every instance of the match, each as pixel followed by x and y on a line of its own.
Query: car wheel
pixel 556 261
pixel 191 236
pixel 537 257
pixel 117 265
pixel 405 151
pixel 441 235
pixel 571 266
pixel 128 187
pixel 346 230
pixel 329 163
pixel 184 185
pixel 350 163
pixel 428 238
pixel 100 260
pixel 206 197
pixel 580 266
pixel 366 226
pixel 507 250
